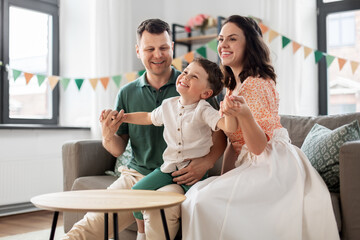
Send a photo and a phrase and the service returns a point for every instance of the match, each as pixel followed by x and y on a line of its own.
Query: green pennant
pixel 141 72
pixel 213 44
pixel 41 79
pixel 202 51
pixel 16 74
pixel 79 82
pixel 329 60
pixel 117 80
pixel 285 41
pixel 318 56
pixel 65 83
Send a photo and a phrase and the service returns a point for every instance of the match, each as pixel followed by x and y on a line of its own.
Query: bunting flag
pixel 53 80
pixel 296 46
pixel 79 82
pixel 307 51
pixel 28 77
pixel 263 28
pixel 65 82
pixel 131 76
pixel 318 55
pixel 16 74
pixel 177 63
pixel 285 41
pixel 354 66
pixel 105 81
pixel 41 79
pixel 93 82
pixel 272 35
pixel 329 60
pixel 202 51
pixel 117 79
pixel 213 45
pixel 189 57
pixel 341 62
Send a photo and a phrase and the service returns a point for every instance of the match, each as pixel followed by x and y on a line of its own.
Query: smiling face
pixel 192 84
pixel 155 52
pixel 231 47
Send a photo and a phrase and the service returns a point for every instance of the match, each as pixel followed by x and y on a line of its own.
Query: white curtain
pixel 297 77
pixel 97 40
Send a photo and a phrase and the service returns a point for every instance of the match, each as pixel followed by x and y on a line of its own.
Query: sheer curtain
pixel 97 40
pixel 297 77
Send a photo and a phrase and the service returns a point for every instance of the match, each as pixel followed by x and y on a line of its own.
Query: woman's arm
pixel 139 118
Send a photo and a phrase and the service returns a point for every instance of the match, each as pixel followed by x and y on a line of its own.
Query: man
pixel 155 49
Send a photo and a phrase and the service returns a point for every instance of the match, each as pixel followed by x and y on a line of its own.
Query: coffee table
pixel 107 201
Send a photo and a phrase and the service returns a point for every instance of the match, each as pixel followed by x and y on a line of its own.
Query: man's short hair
pixel 153 26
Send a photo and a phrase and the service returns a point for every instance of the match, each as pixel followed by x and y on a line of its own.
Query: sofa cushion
pixel 123 160
pixel 322 147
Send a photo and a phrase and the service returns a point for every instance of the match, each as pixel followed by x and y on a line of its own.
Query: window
pixel 339 36
pixel 30 43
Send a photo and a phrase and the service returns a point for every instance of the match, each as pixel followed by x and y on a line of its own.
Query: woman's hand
pixel 234 106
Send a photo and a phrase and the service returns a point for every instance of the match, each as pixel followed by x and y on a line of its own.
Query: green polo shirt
pixel 147 142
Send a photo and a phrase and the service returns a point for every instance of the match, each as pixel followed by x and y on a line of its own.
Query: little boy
pixel 188 120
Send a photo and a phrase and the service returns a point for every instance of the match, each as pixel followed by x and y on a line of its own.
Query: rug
pixel 37 235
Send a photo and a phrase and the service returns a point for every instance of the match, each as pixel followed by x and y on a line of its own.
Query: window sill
pixel 41 126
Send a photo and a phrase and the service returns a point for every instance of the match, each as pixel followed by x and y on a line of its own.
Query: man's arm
pixel 197 167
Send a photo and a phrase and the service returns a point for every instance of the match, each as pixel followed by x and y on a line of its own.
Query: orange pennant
pixel 307 51
pixel 354 66
pixel 105 81
pixel 177 63
pixel 296 47
pixel 28 76
pixel 93 82
pixel 189 57
pixel 53 80
pixel 272 35
pixel 341 62
pixel 131 76
pixel 263 28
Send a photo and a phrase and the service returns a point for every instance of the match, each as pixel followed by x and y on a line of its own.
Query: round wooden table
pixel 107 201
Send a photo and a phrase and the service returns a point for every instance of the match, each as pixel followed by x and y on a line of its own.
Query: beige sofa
pixel 84 164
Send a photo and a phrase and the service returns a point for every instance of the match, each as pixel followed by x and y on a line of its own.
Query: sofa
pixel 85 163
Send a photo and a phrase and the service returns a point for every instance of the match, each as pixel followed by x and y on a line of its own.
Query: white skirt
pixel 276 195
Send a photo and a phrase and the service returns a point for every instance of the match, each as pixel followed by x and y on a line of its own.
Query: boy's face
pixel 192 83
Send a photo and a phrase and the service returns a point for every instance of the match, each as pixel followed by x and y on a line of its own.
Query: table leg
pixel 166 230
pixel 106 226
pixel 116 226
pixel 53 226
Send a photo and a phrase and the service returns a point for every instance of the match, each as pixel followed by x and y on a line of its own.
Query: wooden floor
pixel 27 222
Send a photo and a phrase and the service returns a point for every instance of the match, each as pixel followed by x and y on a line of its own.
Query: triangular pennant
pixel 93 82
pixel 202 51
pixel 354 66
pixel 131 76
pixel 117 79
pixel 263 28
pixel 272 35
pixel 16 74
pixel 213 44
pixel 329 60
pixel 28 76
pixel 189 57
pixel 41 79
pixel 296 47
pixel 141 72
pixel 307 51
pixel 318 55
pixel 79 82
pixel 64 82
pixel 341 62
pixel 177 63
pixel 285 41
pixel 105 81
pixel 53 80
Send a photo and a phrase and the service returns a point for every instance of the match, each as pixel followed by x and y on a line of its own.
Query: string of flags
pixel 177 63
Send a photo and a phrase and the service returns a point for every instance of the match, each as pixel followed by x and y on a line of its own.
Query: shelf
pixel 202 39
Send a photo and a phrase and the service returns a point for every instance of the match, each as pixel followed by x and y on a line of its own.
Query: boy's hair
pixel 215 75
pixel 153 26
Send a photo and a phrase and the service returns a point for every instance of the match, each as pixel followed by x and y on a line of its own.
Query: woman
pixel 268 190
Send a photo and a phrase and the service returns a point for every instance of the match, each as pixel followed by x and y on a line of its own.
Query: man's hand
pixel 192 173
pixel 110 122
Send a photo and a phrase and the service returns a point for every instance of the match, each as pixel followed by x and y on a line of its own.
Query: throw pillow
pixel 322 147
pixel 123 160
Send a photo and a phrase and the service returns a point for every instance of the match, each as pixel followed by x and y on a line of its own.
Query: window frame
pixel 323 10
pixel 45 6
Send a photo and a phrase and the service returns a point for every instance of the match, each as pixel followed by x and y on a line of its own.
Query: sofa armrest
pixel 84 158
pixel 350 189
